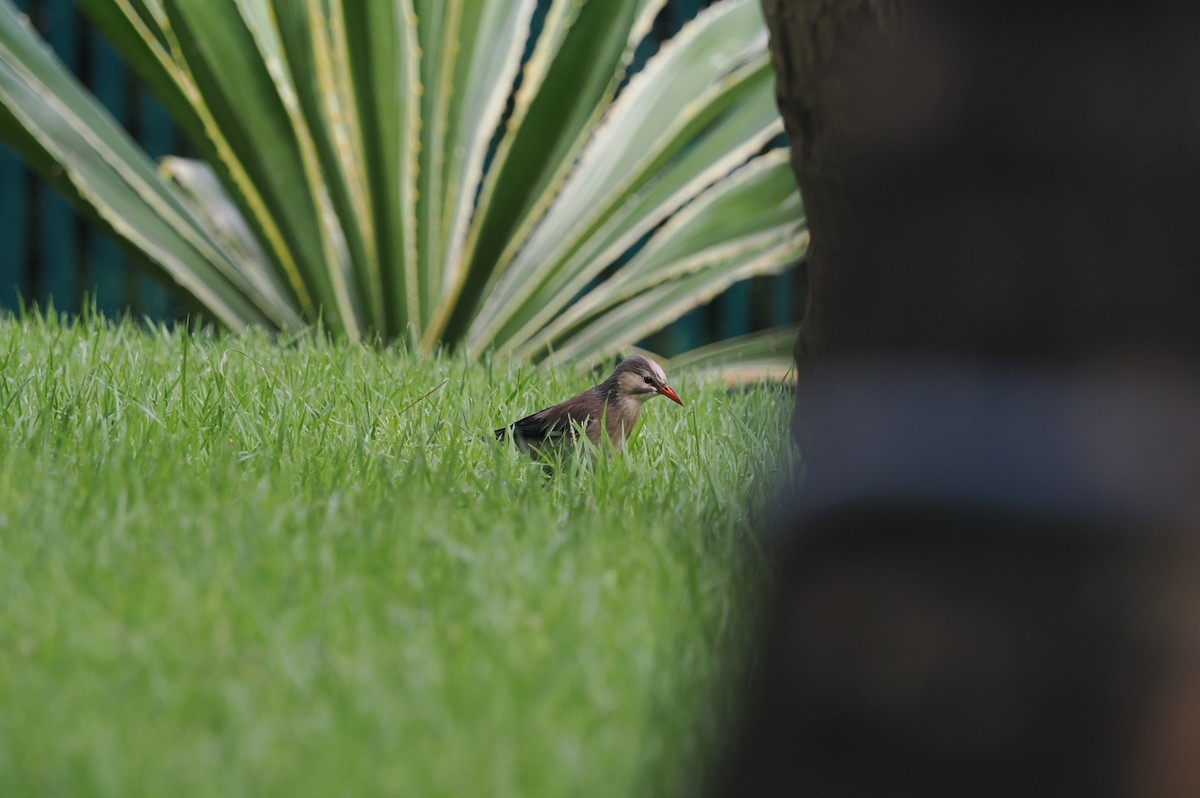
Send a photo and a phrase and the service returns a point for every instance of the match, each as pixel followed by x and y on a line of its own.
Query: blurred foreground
pixel 987 584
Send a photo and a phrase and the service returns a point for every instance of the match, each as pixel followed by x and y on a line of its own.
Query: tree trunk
pixel 1000 373
pixel 810 42
pixel 994 180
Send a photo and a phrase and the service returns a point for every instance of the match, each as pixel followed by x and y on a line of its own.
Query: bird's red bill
pixel 669 392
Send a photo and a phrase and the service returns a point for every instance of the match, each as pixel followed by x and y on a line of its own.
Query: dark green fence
pixel 48 256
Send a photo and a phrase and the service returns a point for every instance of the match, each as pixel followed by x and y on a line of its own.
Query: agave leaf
pixel 372 163
pixel 487 72
pixel 575 69
pixel 235 57
pixel 384 68
pixel 755 208
pixel 64 132
pixel 151 14
pixel 318 63
pixel 138 29
pixel 671 95
pixel 654 309
pixel 224 220
pixel 136 25
pixel 471 54
pixel 743 129
pixel 757 357
pixel 438 24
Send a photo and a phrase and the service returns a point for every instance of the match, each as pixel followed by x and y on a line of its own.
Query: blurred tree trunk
pixel 1001 180
pixel 1000 369
pixel 811 41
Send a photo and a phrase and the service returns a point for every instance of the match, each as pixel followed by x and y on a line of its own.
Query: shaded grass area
pixel 233 567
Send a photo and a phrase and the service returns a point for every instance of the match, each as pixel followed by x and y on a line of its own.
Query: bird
pixel 613 407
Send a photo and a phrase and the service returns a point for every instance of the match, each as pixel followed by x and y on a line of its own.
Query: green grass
pixel 230 567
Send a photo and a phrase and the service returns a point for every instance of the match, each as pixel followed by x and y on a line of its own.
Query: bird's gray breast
pixel 620 418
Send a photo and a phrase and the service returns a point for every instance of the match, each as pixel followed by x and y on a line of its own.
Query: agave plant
pixel 482 173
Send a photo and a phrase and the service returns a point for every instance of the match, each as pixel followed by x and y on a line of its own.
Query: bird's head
pixel 641 378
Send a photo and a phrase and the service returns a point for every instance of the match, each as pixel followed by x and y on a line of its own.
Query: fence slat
pixel 57 222
pixel 107 78
pixel 156 133
pixel 783 299
pixel 14 223
pixel 733 311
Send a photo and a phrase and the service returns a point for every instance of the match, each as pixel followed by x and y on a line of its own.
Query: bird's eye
pixel 648 380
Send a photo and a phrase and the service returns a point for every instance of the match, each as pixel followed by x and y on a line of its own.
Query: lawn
pixel 231 566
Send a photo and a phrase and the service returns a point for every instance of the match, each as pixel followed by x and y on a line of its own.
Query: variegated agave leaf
pixel 452 171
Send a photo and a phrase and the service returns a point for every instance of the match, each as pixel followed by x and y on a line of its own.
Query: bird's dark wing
pixel 548 427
